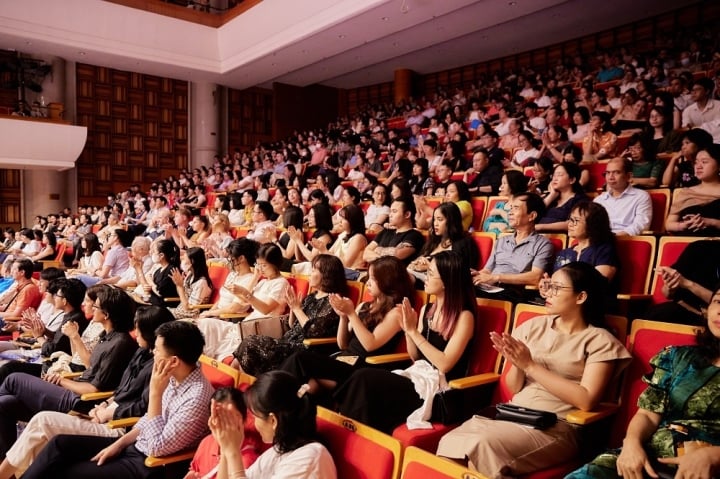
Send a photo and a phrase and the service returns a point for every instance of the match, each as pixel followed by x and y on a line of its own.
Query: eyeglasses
pixel 552 289
pixel 574 220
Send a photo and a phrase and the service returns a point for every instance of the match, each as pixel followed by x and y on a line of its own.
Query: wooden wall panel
pixel 132 119
pixel 250 117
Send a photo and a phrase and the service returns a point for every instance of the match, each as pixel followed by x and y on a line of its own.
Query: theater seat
pixel 419 464
pixel 359 451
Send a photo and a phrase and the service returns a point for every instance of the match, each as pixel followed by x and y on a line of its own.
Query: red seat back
pixel 478 207
pixel 646 339
pixel 669 251
pixel 637 254
pixel 359 452
pixel 218 274
pixel 485 243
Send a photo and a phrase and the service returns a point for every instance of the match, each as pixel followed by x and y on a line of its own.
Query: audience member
pixel 629 208
pixel 176 418
pixel 558 362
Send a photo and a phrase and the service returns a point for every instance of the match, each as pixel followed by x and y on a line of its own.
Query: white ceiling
pixel 340 43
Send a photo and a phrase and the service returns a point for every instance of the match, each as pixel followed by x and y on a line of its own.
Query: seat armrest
pixel 96 396
pixel 634 297
pixel 602 411
pixel 387 358
pixel 234 317
pixel 171 300
pixel 152 461
pixel 124 422
pixel 473 381
pixel 310 342
pixel 200 306
pixel 71 375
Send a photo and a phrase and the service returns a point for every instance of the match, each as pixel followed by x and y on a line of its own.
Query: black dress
pixel 383 399
pixel 258 354
pixel 306 365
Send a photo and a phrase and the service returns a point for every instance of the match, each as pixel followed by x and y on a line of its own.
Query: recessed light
pixel 512 4
pixel 82 54
pixel 28 42
pixel 385 19
pixel 341 36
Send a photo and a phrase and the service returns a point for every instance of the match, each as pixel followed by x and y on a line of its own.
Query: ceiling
pixel 339 43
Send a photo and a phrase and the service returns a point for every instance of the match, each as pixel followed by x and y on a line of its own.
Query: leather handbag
pixel 523 415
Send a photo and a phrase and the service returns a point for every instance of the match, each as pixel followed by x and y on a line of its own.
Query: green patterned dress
pixel 686 393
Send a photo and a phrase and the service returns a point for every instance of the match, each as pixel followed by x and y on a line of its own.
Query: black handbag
pixel 523 415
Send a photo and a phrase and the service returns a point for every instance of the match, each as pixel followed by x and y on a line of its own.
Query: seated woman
pixel 554 141
pixel 512 183
pixel 292 217
pixel 377 213
pixel 371 329
pixel 351 241
pixel 680 169
pixel 682 395
pixel 91 260
pixel 589 225
pixel 216 244
pixel 266 295
pixel 438 345
pixel 319 220
pixel 285 418
pixel 129 400
pixel 48 243
pixel 192 282
pixel 647 169
pixel 456 192
pixel 206 461
pixel 696 209
pixel 565 193
pixel 310 317
pixel 446 233
pixel 241 256
pixel 600 141
pixel 542 176
pixel 527 153
pixel 557 362
pixel 580 124
pixel 158 284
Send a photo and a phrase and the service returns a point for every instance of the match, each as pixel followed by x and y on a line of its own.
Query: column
pixel 204 119
pixel 46 191
pixel 403 84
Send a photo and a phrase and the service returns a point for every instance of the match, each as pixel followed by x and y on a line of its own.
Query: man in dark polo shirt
pixel 23 395
pixel 400 239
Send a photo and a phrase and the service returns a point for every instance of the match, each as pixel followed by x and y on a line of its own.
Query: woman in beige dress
pixel 562 361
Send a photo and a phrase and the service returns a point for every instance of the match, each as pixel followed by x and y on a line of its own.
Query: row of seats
pixel 409 453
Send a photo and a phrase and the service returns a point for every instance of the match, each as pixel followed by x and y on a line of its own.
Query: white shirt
pixel 270 289
pixel 630 212
pixel 693 117
pixel 311 461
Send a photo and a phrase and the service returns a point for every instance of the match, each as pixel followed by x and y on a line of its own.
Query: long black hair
pixel 278 393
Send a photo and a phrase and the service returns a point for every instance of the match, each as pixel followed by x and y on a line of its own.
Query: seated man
pixel 522 258
pixel 130 399
pixel 177 417
pixel 23 395
pixel 264 230
pixel 401 239
pixel 629 208
pixel 45 312
pixel 484 177
pixel 24 294
pixel 67 296
pixel 139 251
